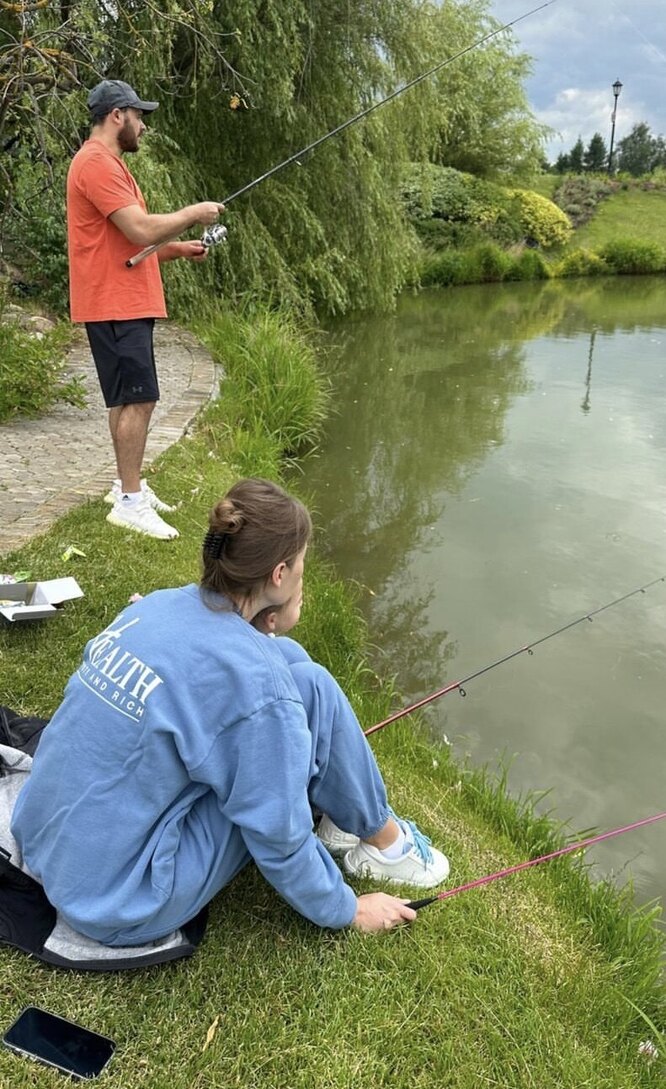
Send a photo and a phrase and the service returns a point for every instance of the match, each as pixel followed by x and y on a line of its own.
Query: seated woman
pixel 188 743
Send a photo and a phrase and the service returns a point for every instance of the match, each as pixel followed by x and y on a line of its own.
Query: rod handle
pixel 416 904
pixel 142 254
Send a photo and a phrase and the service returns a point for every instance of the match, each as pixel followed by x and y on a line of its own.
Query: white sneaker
pixel 142 518
pixel 115 493
pixel 420 864
pixel 155 501
pixel 336 842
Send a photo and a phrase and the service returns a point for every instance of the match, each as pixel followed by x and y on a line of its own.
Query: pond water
pixel 496 468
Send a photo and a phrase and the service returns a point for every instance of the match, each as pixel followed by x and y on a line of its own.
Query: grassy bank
pixel 538 981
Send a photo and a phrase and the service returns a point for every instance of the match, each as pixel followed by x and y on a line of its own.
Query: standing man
pixel 107 222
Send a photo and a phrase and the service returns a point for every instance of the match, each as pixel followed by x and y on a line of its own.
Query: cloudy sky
pixel 579 48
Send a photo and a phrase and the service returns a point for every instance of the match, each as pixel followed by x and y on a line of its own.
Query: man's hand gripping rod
pixel 212 236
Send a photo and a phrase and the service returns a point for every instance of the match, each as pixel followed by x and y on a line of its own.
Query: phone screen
pixel 58 1042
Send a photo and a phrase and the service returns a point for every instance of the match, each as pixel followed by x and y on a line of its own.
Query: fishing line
pixel 528 648
pixel 416 904
pixel 133 261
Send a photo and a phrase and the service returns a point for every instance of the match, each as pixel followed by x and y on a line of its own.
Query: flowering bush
pixel 541 220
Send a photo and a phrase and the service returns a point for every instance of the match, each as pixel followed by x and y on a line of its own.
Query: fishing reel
pixel 212 236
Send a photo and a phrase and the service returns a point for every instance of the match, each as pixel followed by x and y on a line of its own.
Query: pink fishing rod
pixel 416 904
pixel 528 648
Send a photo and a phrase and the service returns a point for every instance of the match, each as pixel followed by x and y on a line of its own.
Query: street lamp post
pixel 617 87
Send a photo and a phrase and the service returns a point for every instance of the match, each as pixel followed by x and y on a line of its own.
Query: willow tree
pixel 329 232
pixel 241 88
pixel 486 125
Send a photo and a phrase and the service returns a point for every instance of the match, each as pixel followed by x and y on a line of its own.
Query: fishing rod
pixel 528 648
pixel 416 904
pixel 133 261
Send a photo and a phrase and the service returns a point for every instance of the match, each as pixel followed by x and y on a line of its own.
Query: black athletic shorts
pixel 125 360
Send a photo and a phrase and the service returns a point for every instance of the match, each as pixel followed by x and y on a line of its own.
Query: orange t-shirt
pixel 101 287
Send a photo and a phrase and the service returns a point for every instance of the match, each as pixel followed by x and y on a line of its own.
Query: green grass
pixel 631 213
pixel 537 982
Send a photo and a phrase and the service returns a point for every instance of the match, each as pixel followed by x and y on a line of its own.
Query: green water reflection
pixel 497 467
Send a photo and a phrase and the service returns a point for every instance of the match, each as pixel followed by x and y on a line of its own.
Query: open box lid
pixel 36 600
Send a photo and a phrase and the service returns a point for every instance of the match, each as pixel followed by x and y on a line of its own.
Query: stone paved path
pixel 49 465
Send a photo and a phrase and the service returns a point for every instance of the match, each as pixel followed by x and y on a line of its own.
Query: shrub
pixel 632 258
pixel 465 204
pixel 658 177
pixel 578 214
pixel 437 192
pixel 442 232
pixel 449 208
pixel 581 262
pixel 32 377
pixel 540 219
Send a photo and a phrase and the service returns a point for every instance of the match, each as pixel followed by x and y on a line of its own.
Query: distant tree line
pixel 638 153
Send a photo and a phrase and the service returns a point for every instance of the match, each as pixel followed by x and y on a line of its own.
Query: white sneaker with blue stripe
pixel 420 864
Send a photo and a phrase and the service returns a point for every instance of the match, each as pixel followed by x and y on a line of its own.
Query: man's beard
pixel 127 138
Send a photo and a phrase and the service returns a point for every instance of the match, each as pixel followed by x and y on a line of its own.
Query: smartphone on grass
pixel 53 1040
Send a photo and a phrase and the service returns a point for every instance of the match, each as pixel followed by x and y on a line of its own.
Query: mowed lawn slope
pixel 631 213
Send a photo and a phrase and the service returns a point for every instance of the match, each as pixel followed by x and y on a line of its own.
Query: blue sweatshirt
pixel 180 751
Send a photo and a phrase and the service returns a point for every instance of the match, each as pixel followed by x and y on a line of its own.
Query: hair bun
pixel 226 518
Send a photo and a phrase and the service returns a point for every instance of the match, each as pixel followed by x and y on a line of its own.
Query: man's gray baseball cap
pixel 113 94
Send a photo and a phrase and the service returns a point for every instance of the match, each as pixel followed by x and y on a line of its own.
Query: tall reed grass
pixel 274 386
pixel 482 264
